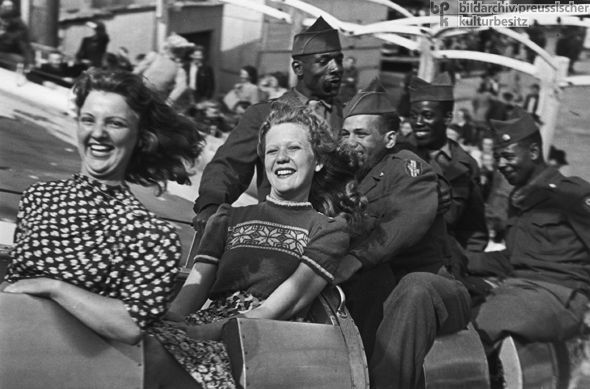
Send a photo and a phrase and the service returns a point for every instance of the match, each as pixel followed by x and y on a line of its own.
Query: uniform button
pixel 381 174
pixel 552 186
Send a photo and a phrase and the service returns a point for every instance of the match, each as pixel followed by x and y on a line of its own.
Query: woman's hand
pixel 43 287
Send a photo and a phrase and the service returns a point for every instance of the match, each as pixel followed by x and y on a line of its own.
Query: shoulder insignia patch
pixel 413 167
pixel 587 201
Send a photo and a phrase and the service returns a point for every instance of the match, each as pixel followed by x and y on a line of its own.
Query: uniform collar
pixel 536 191
pixel 306 100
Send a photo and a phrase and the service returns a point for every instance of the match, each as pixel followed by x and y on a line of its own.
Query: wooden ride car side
pixel 43 346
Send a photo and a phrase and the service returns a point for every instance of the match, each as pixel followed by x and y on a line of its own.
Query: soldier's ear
pixel 534 151
pixel 297 67
pixel 390 138
pixel 448 118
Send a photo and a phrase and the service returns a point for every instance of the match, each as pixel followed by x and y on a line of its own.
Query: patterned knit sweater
pixel 260 246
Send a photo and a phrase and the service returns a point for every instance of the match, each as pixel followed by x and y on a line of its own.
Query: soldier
pixel 405 242
pixel 546 263
pixel 317 62
pixel 431 113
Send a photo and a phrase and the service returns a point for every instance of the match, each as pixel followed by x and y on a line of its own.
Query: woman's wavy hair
pixel 168 143
pixel 334 189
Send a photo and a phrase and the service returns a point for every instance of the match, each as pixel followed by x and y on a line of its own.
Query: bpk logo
pixel 440 9
pixel 444 14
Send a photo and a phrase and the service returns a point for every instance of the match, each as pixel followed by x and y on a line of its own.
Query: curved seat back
pixel 457 361
pixel 325 354
pixel 529 365
pixel 43 346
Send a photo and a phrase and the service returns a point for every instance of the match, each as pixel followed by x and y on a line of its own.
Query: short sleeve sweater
pixel 99 238
pixel 258 247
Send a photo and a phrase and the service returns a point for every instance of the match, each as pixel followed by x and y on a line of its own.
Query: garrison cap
pixel 320 37
pixel 441 89
pixel 513 130
pixel 373 100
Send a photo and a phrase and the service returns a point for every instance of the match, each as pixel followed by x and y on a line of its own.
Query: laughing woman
pixel 86 242
pixel 272 259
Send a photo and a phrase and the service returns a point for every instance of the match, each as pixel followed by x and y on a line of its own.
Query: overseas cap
pixel 513 130
pixel 441 89
pixel 320 37
pixel 373 100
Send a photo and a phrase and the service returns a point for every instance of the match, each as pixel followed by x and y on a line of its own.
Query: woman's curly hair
pixel 334 189
pixel 167 144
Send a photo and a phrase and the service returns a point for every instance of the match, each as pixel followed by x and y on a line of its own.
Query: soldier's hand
pixel 200 221
pixel 445 197
pixel 346 269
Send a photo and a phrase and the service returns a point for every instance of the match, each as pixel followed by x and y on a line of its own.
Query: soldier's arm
pixel 230 171
pixel 408 211
pixel 489 264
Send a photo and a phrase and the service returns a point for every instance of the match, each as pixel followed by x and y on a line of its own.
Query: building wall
pixel 241 33
pixel 131 29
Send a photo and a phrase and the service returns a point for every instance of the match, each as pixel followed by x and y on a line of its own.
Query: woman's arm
pixel 195 290
pixel 290 297
pixel 106 316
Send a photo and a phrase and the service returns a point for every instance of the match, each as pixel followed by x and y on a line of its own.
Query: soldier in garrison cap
pixel 405 244
pixel 546 264
pixel 431 113
pixel 317 62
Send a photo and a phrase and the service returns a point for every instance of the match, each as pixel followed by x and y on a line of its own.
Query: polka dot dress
pixel 99 238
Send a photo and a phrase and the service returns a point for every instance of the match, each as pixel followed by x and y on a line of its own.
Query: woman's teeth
pixel 284 172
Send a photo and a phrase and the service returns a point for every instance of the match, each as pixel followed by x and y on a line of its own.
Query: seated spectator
pixel 531 101
pixel 15 44
pixel 481 103
pixel 164 71
pixel 139 59
pixel 245 90
pixel 110 61
pixel 54 72
pixel 557 159
pixel 454 133
pixel 241 108
pixel 403 105
pixel 268 260
pixel 55 65
pixel 210 120
pixel 469 131
pixel 201 78
pixel 93 48
pixel 350 79
pixel 123 59
pixel 89 265
pixel 273 85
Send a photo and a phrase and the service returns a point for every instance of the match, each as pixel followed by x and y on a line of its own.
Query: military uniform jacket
pixel 405 228
pixel 548 234
pixel 230 172
pixel 466 223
